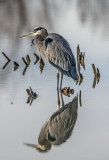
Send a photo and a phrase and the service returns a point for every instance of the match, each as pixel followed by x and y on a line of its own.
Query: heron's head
pixel 37 31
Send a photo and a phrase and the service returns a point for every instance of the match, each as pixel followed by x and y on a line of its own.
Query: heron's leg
pixel 57 80
pixel 58 99
pixel 61 80
pixel 62 99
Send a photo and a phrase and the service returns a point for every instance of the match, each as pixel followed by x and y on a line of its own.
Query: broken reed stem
pixel 37 58
pixel 80 98
pixel 5 65
pixel 24 61
pixel 28 59
pixel 78 58
pixel 6 56
pixel 16 65
pixel 94 70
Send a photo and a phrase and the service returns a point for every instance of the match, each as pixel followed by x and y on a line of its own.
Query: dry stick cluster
pixel 96 75
pixel 16 65
pixel 26 61
pixel 31 96
pixel 80 62
pixel 67 91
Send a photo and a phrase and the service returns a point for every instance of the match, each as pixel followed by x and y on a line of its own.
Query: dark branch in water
pixel 82 56
pixel 31 95
pixel 5 65
pixel 41 64
pixel 28 59
pixel 67 91
pixel 6 56
pixel 78 58
pixel 7 59
pixel 80 62
pixel 32 43
pixel 27 63
pixel 24 61
pixel 37 58
pixel 16 65
pixel 81 78
pixel 80 99
pixel 24 71
pixel 96 75
pixel 94 70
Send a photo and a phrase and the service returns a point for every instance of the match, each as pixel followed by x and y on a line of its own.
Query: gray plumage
pixel 58 52
pixel 58 128
pixel 60 125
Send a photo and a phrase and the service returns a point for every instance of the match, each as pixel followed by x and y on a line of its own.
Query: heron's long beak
pixel 28 34
pixel 38 146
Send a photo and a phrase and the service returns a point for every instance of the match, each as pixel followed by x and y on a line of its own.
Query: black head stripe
pixel 38 28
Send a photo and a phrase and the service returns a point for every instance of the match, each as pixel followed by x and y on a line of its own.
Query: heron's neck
pixel 39 39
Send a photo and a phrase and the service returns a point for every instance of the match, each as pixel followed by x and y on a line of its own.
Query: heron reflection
pixel 58 128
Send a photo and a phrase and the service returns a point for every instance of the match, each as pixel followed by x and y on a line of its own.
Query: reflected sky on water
pixel 83 22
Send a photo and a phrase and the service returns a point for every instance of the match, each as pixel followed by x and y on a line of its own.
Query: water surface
pixel 80 22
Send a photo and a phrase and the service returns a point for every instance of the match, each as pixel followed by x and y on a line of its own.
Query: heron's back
pixel 59 54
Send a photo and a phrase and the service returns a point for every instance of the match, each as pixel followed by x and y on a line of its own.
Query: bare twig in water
pixel 37 58
pixel 78 58
pixel 16 65
pixel 94 70
pixel 82 56
pixel 28 59
pixel 32 42
pixel 67 91
pixel 24 61
pixel 6 56
pixel 31 95
pixel 27 63
pixel 96 75
pixel 81 78
pixel 7 61
pixel 5 65
pixel 80 98
pixel 80 62
pixel 24 71
pixel 41 64
pixel 94 82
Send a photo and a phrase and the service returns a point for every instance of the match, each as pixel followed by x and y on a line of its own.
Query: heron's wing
pixel 59 52
pixel 62 122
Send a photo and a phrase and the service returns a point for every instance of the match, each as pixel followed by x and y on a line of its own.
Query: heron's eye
pixel 37 29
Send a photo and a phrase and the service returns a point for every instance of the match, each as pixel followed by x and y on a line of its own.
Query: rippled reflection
pixel 58 128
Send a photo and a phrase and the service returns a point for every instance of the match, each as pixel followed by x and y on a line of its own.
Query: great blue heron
pixel 58 128
pixel 56 50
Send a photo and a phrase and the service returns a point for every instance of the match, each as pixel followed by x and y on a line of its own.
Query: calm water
pixel 83 22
